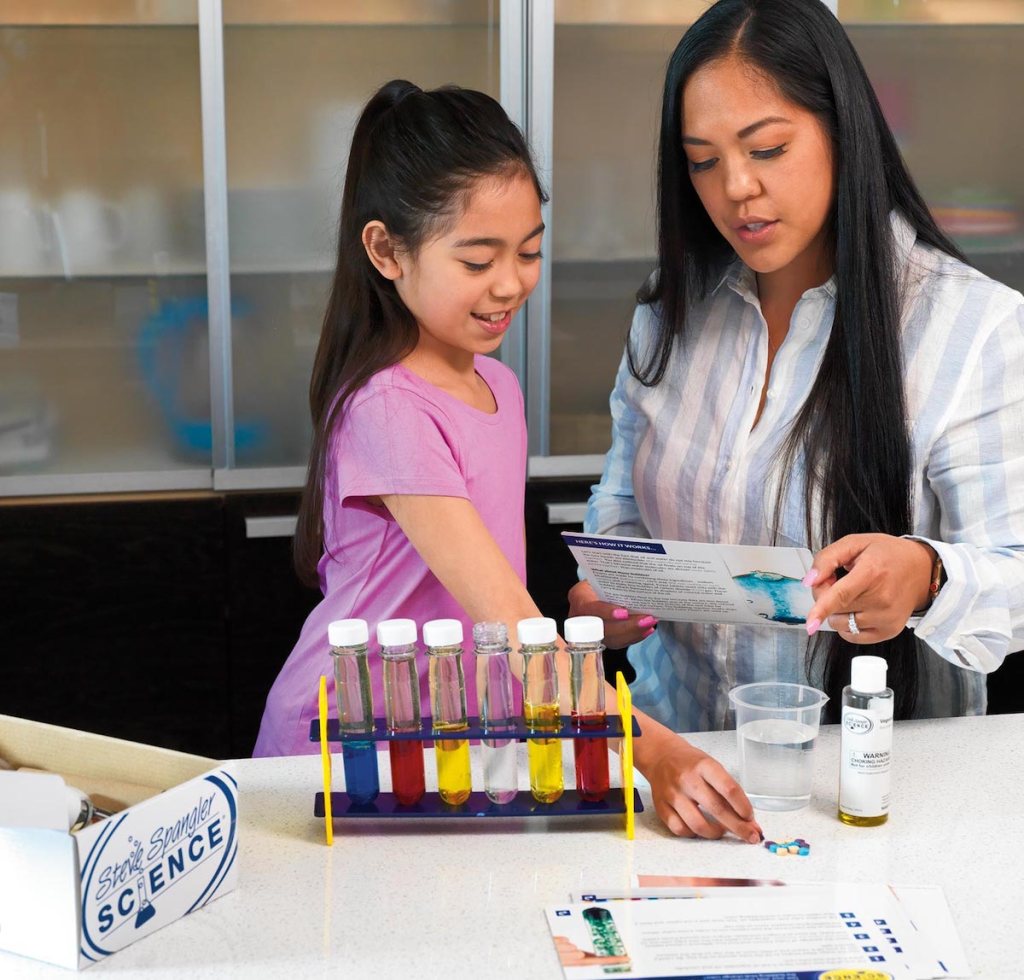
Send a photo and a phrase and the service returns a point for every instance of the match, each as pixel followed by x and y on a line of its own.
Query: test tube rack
pixel 330 805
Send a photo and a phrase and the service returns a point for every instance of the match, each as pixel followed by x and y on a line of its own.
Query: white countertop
pixel 465 898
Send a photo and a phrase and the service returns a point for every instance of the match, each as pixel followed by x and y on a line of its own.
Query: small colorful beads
pixel 797 846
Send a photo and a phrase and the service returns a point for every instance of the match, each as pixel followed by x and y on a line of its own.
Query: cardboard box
pixel 74 899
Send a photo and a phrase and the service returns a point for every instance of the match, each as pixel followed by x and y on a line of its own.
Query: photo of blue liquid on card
pixel 777 598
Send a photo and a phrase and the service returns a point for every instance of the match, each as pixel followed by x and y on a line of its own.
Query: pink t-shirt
pixel 400 435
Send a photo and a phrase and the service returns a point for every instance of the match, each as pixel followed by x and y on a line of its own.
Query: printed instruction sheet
pixel 817 932
pixel 683 581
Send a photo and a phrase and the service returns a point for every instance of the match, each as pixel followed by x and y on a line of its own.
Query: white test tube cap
pixel 537 631
pixel 396 632
pixel 867 674
pixel 442 633
pixel 584 629
pixel 348 633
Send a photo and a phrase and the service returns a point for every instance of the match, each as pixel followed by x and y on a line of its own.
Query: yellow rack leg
pixel 625 700
pixel 325 757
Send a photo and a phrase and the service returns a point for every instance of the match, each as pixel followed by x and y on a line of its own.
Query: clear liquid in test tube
pixel 497 711
pixel 348 639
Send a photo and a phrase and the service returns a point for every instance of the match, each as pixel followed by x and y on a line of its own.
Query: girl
pixel 814 362
pixel 414 500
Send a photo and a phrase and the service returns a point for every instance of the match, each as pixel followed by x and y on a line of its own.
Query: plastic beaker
pixel 776 727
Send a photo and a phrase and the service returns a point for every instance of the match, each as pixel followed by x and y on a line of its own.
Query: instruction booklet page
pixel 689 582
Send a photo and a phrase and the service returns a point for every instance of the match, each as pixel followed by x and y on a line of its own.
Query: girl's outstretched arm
pixel 687 784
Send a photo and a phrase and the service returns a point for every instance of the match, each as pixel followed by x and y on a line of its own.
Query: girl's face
pixel 465 285
pixel 762 167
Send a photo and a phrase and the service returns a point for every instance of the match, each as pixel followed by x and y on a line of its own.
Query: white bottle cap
pixel 396 632
pixel 442 633
pixel 537 631
pixel 584 629
pixel 348 633
pixel 867 674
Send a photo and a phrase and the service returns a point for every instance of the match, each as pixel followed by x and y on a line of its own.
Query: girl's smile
pixel 496 323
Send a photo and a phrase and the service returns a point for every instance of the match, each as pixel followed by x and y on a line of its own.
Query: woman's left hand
pixel 887 580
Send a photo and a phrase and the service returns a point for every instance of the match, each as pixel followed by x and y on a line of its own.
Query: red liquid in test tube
pixel 583 641
pixel 591 759
pixel 407 780
pixel 397 640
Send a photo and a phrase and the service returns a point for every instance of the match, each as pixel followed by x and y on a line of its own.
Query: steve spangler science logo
pixel 157 862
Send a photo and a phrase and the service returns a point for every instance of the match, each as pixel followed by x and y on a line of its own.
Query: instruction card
pixel 683 581
pixel 818 933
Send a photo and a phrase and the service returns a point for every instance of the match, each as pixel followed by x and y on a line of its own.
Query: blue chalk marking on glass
pixel 774 597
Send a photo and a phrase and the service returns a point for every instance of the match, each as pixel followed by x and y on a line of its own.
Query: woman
pixel 814 364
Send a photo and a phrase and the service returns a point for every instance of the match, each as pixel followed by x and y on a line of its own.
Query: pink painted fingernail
pixel 810 578
pixel 755 838
pixel 620 614
pixel 812 626
pixel 648 633
pixel 647 621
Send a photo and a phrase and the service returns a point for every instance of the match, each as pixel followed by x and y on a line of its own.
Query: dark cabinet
pixel 153 619
pixel 266 604
pixel 114 618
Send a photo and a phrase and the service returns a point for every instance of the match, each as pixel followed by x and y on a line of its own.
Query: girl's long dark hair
pixel 414 158
pixel 851 431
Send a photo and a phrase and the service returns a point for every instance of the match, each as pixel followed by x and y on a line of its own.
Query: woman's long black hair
pixel 414 159
pixel 851 431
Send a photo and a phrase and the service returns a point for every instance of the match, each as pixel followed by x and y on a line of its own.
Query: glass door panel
pixel 949 74
pixel 101 239
pixel 609 70
pixel 296 78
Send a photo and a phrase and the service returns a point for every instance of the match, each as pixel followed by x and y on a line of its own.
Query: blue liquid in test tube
pixel 348 639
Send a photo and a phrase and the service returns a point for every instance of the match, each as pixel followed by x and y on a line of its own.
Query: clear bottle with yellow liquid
pixel 865 751
pixel 443 640
pixel 537 644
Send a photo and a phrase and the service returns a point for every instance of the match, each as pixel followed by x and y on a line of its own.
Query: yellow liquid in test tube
pixel 453 779
pixel 545 754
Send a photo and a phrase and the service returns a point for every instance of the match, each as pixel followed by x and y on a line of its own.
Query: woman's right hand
pixel 621 627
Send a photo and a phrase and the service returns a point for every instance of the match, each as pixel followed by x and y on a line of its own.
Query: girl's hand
pixel 887 580
pixel 689 788
pixel 621 627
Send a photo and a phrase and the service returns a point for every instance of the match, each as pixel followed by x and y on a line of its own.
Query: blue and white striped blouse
pixel 685 465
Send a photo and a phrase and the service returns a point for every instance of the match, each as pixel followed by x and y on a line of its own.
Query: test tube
pixel 540 706
pixel 397 640
pixel 348 639
pixel 583 636
pixel 443 640
pixel 606 938
pixel 497 710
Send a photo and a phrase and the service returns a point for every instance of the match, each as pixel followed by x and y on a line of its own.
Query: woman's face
pixel 762 167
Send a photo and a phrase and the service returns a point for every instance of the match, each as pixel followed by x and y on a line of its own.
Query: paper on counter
pixel 763 933
pixel 682 581
pixel 928 910
pixel 940 951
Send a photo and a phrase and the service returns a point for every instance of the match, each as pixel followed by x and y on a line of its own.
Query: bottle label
pixel 865 757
